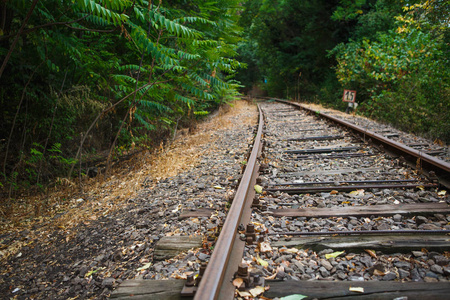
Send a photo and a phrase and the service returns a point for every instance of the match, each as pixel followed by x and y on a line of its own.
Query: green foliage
pixel 394 53
pixel 402 75
pixel 389 58
pixel 287 44
pixel 135 67
pixel 348 10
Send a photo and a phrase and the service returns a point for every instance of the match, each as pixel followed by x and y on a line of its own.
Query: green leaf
pixel 258 189
pixel 144 267
pixel 262 262
pixel 334 254
pixel 93 271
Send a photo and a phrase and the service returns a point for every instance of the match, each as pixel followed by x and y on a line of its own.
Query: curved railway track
pixel 328 209
pixel 306 162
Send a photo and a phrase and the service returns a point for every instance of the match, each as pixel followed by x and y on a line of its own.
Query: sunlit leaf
pixel 356 289
pixel 265 247
pixel 357 193
pixel 290 250
pixel 442 193
pixel 378 272
pixel 93 271
pixel 334 254
pixel 244 294
pixel 257 291
pixel 262 262
pixel 293 297
pixel 238 282
pixel 144 267
pixel 371 253
pixel 258 189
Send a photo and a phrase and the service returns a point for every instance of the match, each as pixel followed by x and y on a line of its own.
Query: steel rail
pixel 213 278
pixel 429 162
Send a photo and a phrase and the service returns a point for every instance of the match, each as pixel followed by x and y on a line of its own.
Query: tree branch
pixel 92 30
pixel 43 26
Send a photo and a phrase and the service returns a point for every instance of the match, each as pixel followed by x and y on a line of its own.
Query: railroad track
pixel 325 212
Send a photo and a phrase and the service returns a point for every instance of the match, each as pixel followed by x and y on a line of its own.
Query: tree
pixel 292 37
pixel 95 74
pixel 405 70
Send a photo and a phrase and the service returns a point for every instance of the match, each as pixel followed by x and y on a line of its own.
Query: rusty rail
pixel 428 162
pixel 214 283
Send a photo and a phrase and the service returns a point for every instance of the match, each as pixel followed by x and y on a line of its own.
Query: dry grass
pixel 318 107
pixel 186 150
pixel 103 196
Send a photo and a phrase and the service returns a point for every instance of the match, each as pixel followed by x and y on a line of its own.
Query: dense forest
pixel 86 79
pixel 395 54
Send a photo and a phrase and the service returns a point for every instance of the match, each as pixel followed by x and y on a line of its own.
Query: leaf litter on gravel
pixel 104 197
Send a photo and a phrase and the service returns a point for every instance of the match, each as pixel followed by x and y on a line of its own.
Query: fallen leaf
pixel 290 250
pixel 421 187
pixel 334 254
pixel 442 193
pixel 356 289
pixel 371 253
pixel 262 262
pixel 178 276
pixel 258 189
pixel 334 192
pixel 265 247
pixel 293 297
pixel 218 187
pixel 178 208
pixel 244 294
pixel 357 193
pixel 93 271
pixel 439 142
pixel 348 257
pixel 257 224
pixel 238 282
pixel 257 291
pixel 378 272
pixel 271 277
pixel 144 267
pixel 280 271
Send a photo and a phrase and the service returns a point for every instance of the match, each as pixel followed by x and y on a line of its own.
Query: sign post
pixel 350 97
